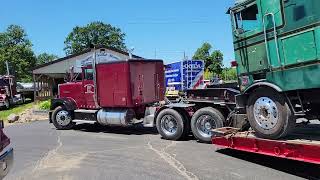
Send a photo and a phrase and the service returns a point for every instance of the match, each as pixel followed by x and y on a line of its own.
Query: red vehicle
pixel 6 153
pixel 119 93
pixel 129 92
pixel 8 92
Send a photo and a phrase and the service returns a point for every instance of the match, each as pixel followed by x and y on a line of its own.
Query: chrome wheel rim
pixel 266 113
pixel 63 118
pixel 169 125
pixel 205 124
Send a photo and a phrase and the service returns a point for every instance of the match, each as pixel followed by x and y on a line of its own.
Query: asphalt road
pixel 91 152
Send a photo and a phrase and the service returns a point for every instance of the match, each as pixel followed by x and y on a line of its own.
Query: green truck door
pixel 249 21
pixel 272 18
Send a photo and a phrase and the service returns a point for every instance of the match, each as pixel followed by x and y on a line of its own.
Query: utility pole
pixel 7 65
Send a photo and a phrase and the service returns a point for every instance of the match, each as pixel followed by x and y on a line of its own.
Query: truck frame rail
pixel 298 147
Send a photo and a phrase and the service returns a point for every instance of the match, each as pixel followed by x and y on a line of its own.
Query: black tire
pixel 216 121
pixel 181 127
pixel 281 111
pixel 59 122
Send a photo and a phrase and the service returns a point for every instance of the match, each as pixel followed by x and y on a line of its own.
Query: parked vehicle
pixel 8 92
pixel 26 89
pixel 6 153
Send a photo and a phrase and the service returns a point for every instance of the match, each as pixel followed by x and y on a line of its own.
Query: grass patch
pixel 14 110
pixel 45 105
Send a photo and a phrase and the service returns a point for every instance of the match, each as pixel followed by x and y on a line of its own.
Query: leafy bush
pixel 45 105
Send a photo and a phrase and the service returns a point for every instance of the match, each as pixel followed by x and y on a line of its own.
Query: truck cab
pixel 276 44
pixel 80 90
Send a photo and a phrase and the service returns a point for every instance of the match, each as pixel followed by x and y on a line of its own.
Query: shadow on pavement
pixel 297 168
pixel 132 130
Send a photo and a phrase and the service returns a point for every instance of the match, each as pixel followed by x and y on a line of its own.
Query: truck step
pixel 84 121
pixel 85 111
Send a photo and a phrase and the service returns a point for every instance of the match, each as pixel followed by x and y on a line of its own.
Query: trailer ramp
pixel 303 145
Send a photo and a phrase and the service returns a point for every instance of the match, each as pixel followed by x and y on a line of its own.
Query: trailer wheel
pixel 269 114
pixel 171 124
pixel 204 120
pixel 62 119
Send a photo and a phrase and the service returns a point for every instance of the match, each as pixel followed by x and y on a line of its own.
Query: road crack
pixel 56 161
pixel 172 161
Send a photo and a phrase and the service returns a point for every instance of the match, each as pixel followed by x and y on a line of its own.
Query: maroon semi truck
pixel 9 95
pixel 116 93
pixel 8 92
pixel 127 92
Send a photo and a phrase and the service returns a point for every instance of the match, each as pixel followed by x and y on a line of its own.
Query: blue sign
pixel 184 75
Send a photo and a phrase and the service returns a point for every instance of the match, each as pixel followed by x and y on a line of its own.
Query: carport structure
pixel 48 76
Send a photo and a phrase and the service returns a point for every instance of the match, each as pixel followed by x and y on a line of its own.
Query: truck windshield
pixel 248 19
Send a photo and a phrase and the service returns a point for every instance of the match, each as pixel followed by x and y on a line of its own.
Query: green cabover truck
pixel 277 49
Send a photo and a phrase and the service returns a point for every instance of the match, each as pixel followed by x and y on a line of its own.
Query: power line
pixel 169 22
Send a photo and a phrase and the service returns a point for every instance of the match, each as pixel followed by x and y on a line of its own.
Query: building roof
pixel 83 52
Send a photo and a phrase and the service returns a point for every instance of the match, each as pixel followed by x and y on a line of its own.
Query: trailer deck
pixel 302 145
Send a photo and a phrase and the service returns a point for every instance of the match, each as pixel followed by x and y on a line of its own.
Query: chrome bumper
pixel 6 161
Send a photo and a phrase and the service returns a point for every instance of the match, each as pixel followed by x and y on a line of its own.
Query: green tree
pixel 45 58
pixel 16 48
pixel 213 60
pixel 97 33
pixel 229 74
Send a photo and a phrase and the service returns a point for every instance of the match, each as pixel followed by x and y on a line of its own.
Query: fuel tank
pixel 115 117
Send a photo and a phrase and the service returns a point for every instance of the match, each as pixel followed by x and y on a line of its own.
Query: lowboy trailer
pixel 300 145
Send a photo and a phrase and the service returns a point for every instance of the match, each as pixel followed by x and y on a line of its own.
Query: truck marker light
pixel 244 80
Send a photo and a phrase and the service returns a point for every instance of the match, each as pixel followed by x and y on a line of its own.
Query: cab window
pixel 88 74
pixel 248 19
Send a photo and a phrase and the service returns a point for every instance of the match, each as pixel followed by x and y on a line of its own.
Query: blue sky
pixel 162 28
